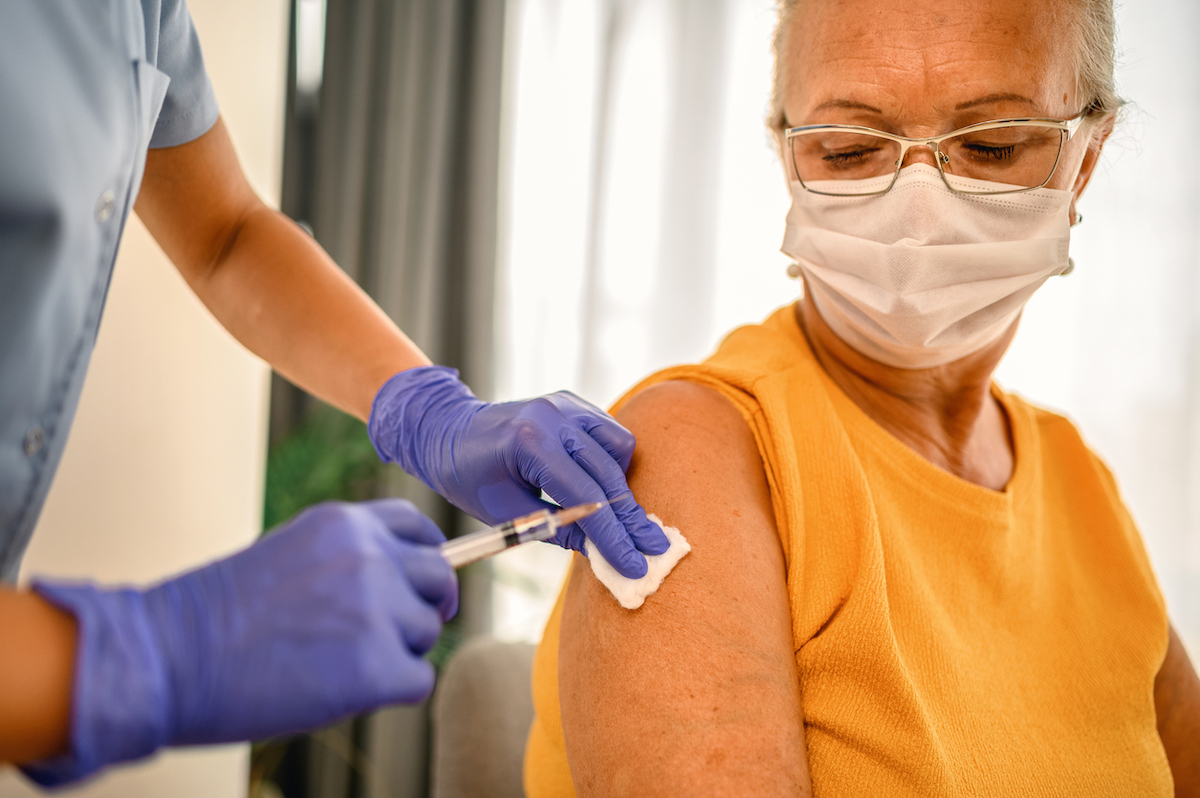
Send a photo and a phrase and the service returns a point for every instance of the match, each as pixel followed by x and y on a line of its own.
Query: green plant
pixel 327 458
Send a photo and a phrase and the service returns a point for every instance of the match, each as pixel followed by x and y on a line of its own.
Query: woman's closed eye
pixel 849 157
pixel 985 152
pixel 857 156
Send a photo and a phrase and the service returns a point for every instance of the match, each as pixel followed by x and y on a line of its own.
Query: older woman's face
pixel 925 67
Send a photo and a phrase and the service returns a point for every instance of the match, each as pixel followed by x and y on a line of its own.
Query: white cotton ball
pixel 631 593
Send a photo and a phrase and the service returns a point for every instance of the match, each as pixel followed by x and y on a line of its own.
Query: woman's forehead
pixel 914 58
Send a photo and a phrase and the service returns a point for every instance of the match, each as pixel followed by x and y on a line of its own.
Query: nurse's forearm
pixel 265 279
pixel 37 663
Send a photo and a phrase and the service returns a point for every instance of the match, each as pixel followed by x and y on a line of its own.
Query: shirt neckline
pixel 914 468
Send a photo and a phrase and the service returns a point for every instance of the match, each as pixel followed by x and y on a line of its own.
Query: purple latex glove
pixel 493 460
pixel 327 617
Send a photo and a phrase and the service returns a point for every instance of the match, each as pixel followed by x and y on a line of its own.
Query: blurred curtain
pixel 391 160
pixel 646 206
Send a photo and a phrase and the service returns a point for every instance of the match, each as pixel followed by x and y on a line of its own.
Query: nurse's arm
pixel 1177 701
pixel 696 692
pixel 37 660
pixel 267 281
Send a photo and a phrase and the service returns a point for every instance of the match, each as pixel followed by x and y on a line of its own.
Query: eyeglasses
pixel 1006 156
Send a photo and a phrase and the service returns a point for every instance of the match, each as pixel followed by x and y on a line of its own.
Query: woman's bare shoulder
pixel 690 437
pixel 697 690
pixel 665 400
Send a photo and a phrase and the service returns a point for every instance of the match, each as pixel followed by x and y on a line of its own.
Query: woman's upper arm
pixel 697 691
pixel 1177 702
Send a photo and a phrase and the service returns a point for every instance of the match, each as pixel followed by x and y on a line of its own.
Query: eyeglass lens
pixel 1020 157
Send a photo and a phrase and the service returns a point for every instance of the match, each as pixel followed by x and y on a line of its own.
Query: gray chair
pixel 482 709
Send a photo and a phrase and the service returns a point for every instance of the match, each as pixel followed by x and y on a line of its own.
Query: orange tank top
pixel 951 640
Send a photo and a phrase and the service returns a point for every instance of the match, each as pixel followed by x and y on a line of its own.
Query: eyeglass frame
pixel 1066 126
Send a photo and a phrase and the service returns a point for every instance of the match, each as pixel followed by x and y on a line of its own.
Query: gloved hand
pixel 493 460
pixel 327 617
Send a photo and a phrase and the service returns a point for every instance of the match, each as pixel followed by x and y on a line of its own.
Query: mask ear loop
pixel 1071 261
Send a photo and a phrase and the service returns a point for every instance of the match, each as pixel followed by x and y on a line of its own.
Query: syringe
pixel 536 526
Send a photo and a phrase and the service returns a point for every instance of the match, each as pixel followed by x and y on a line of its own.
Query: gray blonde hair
pixel 1095 29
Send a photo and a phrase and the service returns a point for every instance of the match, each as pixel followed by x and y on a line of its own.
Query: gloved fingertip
pixel 611 539
pixel 646 535
pixel 414 682
pixel 431 533
pixel 434 580
pixel 426 565
pixel 632 567
pixel 421 629
pixel 448 608
pixel 651 539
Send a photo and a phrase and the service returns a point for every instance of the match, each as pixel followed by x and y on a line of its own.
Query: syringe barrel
pixel 540 525
pixel 472 548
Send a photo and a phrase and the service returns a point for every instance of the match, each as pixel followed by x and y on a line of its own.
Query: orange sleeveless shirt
pixel 951 640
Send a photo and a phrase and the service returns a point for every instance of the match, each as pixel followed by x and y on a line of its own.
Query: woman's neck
pixel 946 414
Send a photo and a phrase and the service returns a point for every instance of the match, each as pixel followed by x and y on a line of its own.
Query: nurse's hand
pixel 493 460
pixel 325 618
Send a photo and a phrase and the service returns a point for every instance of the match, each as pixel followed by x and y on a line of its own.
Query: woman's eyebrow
pixel 989 99
pixel 995 98
pixel 851 105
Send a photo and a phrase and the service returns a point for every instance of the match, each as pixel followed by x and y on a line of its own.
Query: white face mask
pixel 922 276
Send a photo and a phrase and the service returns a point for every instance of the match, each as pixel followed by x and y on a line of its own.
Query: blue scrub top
pixel 85 87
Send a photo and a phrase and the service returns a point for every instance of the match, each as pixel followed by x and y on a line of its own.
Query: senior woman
pixel 938 590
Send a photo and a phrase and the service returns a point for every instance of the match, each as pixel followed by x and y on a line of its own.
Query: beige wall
pixel 164 467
